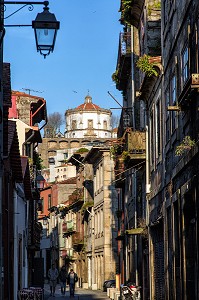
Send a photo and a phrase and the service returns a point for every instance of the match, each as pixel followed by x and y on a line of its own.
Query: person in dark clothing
pixel 71 280
pixel 62 277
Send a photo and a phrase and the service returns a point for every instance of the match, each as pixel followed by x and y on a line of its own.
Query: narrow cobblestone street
pixel 80 294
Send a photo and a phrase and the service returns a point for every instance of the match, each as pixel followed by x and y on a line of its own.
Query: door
pixel 38 272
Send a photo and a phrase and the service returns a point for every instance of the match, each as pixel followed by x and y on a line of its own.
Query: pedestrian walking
pixel 62 278
pixel 53 275
pixel 71 280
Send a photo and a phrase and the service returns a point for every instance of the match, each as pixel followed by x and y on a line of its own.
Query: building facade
pixel 158 77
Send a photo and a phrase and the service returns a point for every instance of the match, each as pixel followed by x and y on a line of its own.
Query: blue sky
pixel 84 58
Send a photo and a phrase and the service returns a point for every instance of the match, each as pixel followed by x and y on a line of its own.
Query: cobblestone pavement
pixel 80 294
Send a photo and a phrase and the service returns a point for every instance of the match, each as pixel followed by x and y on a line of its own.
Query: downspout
pixel 46 121
pixel 15 245
pixel 132 76
pixel 136 239
pixel 23 145
pixel 148 186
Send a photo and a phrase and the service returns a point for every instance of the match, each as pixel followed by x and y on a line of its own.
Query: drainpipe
pixel 23 145
pixel 132 77
pixel 147 204
pixel 136 239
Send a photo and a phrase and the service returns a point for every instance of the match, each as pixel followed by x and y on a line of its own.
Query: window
pixel 173 89
pixel 185 65
pixel 167 103
pixel 158 128
pixel 173 102
pixel 152 138
pixel 49 201
pixel 90 124
pixel 74 124
pixel 105 125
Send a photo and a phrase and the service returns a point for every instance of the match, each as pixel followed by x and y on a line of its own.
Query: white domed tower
pixel 88 120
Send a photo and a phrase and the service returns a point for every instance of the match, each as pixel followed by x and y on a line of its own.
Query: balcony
pixel 34 234
pixel 131 15
pixel 76 198
pixel 148 81
pixel 78 241
pixel 189 91
pixel 123 69
pixel 68 228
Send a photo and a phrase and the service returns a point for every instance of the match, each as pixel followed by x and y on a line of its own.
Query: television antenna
pixel 30 90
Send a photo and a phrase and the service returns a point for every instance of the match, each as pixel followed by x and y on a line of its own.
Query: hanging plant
pixel 126 7
pixel 125 155
pixel 86 205
pixel 115 150
pixel 155 6
pixel 146 66
pixel 115 77
pixel 185 146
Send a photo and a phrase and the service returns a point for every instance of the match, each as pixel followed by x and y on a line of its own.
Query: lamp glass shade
pixel 40 182
pixel 45 27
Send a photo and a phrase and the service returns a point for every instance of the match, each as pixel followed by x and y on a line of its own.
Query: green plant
pixel 125 155
pixel 146 66
pixel 185 146
pixel 115 76
pixel 86 205
pixel 114 151
pixel 37 161
pixel 82 150
pixel 126 7
pixel 155 5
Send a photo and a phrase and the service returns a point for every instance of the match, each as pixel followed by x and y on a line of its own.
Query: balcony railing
pixel 34 234
pixel 124 60
pixel 190 89
pixel 78 239
pixel 77 197
pixel 68 228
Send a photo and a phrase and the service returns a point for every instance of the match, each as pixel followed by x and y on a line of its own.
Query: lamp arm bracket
pixel 24 3
pixel 30 8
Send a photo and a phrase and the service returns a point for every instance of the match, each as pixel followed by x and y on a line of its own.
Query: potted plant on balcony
pixel 86 205
pixel 186 145
pixel 115 77
pixel 126 7
pixel 147 65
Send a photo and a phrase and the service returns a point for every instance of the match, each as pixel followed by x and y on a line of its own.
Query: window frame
pixel 185 64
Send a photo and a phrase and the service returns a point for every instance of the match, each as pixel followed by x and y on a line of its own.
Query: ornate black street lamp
pixel 40 181
pixel 45 27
